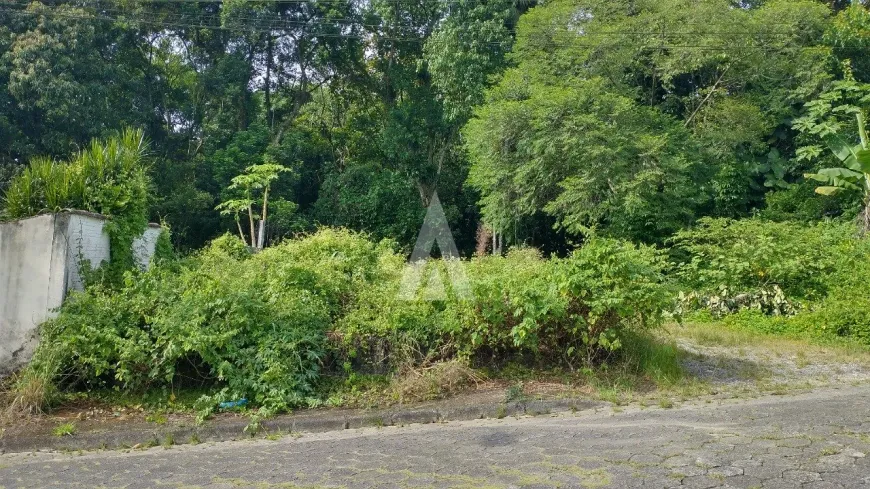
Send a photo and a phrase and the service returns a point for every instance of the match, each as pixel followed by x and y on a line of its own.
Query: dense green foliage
pixel 108 178
pixel 779 277
pixel 631 158
pixel 753 254
pixel 267 326
pixel 638 117
pixel 633 117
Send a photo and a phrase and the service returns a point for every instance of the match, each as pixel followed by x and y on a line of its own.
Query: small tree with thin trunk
pixel 254 184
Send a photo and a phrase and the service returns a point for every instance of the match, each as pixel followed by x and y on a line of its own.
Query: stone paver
pixel 815 440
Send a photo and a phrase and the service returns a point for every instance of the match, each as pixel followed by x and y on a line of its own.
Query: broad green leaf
pixel 852 163
pixel 863 160
pixel 839 146
pixel 837 177
pixel 844 151
pixel 817 177
pixel 827 190
pixel 841 173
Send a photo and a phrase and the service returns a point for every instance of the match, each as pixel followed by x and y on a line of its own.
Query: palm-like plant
pixel 107 177
pixel 855 172
pixel 257 178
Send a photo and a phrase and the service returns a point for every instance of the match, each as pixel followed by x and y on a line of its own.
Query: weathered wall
pixel 40 262
pixel 143 246
pixel 85 241
pixel 32 264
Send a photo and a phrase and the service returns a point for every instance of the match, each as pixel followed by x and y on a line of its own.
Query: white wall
pixel 40 262
pixel 143 246
pixel 86 241
pixel 32 264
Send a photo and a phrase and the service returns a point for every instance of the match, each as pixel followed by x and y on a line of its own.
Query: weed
pixel 501 412
pixel 435 381
pixel 829 451
pixel 515 392
pixel 801 359
pixel 612 395
pixel 65 429
pixel 169 440
pixel 32 389
pixel 666 403
pixel 156 418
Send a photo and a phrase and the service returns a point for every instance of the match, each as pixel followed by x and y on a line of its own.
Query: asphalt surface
pixel 815 440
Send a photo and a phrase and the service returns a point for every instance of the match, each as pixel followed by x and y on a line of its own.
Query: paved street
pixel 816 440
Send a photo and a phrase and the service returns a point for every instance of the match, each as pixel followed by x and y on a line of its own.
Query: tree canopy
pixel 538 120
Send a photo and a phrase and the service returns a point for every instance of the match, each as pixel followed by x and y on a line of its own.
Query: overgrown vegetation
pixel 634 117
pixel 268 326
pixel 634 159
pixel 788 278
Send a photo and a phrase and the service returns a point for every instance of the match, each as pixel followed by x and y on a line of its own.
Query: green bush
pixel 266 326
pixel 801 203
pixel 845 311
pixel 611 286
pixel 257 323
pixel 754 255
pixel 826 265
pixel 572 311
pixel 514 298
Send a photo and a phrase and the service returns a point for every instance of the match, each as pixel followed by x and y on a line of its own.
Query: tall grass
pixel 31 390
pixel 653 358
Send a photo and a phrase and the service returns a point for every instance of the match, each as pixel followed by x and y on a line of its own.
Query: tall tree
pixel 677 112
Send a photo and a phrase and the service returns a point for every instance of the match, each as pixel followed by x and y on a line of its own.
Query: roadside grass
pixel 648 369
pixel 158 402
pixel 804 349
pixel 23 394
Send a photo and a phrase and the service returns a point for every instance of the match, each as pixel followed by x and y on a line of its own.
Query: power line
pixel 265 23
pixel 277 24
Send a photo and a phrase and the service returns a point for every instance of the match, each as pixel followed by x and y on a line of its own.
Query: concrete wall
pixel 143 246
pixel 32 264
pixel 40 262
pixel 85 240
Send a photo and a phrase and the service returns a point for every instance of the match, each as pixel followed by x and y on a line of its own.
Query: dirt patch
pixel 746 364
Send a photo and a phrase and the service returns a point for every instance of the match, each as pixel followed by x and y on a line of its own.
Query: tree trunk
pixel 261 236
pixel 865 218
pixel 483 236
pixel 497 241
pixel 241 234
pixel 251 221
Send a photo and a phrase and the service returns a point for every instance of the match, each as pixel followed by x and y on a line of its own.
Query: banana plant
pixel 855 172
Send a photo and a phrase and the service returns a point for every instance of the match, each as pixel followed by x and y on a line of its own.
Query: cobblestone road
pixel 815 440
